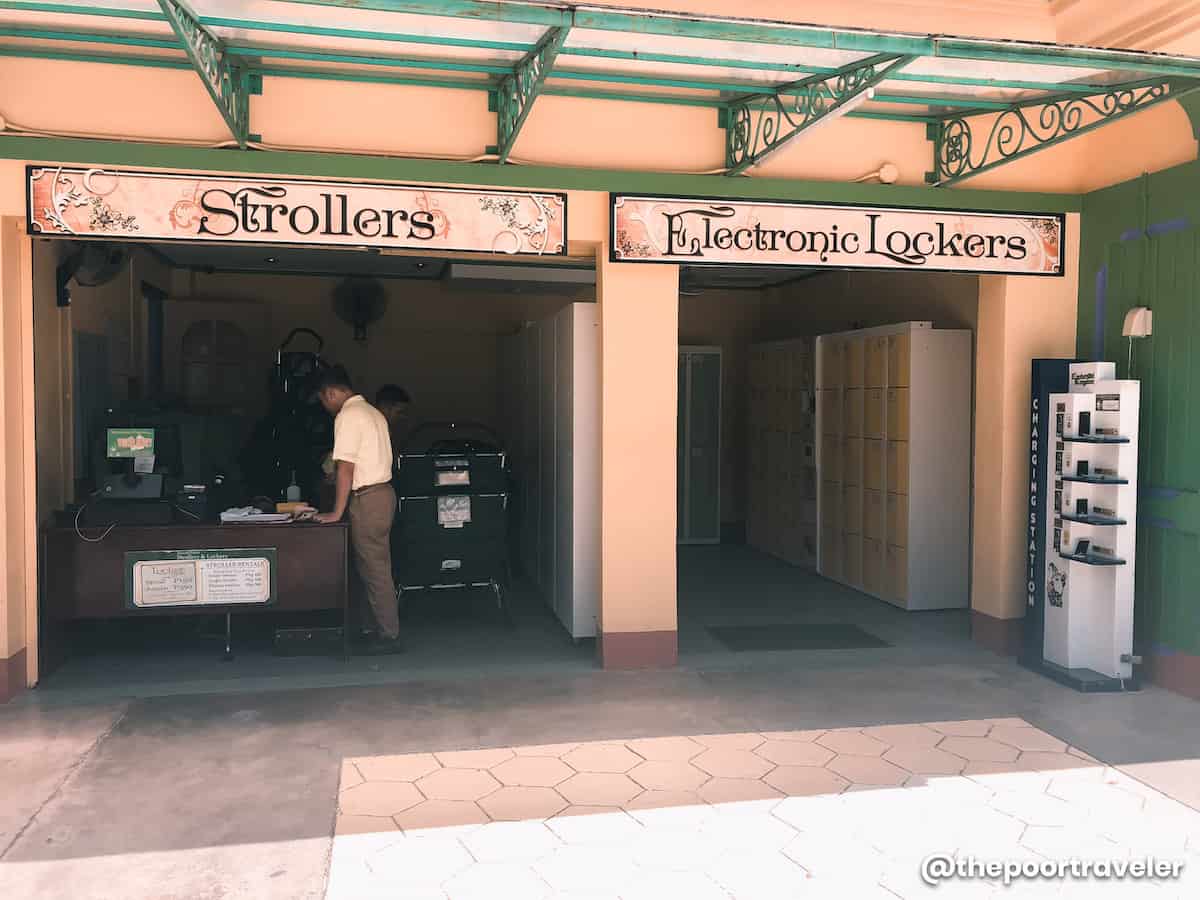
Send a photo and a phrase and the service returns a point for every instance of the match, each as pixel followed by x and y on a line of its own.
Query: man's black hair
pixel 391 393
pixel 333 377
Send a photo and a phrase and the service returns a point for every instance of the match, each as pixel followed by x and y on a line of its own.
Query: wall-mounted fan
pixel 90 264
pixel 360 302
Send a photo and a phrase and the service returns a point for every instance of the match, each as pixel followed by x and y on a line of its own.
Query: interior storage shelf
pixel 1094 519
pixel 1095 479
pixel 1093 559
pixel 1095 439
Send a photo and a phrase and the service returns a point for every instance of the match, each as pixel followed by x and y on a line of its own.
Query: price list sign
pixel 188 578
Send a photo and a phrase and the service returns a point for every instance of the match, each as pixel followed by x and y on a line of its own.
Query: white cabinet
pixel 894 415
pixel 554 385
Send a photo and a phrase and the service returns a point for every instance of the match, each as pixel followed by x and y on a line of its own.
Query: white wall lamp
pixel 1139 323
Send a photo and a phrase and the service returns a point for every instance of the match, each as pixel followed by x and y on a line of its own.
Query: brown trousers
pixel 371 515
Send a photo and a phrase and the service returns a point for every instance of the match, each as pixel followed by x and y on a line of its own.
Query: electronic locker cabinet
pixel 894 466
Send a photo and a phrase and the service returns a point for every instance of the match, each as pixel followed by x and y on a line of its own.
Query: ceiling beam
pixel 969 143
pixel 227 83
pixel 518 90
pixel 754 131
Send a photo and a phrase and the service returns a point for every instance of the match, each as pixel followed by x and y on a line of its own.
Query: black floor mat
pixel 794 637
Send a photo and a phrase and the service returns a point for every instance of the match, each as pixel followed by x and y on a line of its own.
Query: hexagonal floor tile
pixel 868 770
pixel 806 736
pixel 347 824
pixel 441 814
pixel 668 776
pixel 532 771
pixel 966 728
pixel 737 790
pixel 606 758
pixel 558 750
pixel 474 759
pixel 794 753
pixel 407 767
pixel 740 741
pixel 511 842
pixel 853 742
pixel 420 862
pixel 979 749
pixel 492 880
pixel 350 775
pixel 1049 761
pixel 923 760
pixel 666 749
pixel 805 781
pixel 516 803
pixel 758 874
pixel 384 798
pixel 596 825
pixel 1037 808
pixel 457 784
pixel 659 885
pixel 1027 738
pixel 725 763
pixel 1107 802
pixel 673 810
pixel 904 735
pixel 603 871
pixel 599 789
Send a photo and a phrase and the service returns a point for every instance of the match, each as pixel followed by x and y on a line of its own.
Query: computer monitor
pixel 129 443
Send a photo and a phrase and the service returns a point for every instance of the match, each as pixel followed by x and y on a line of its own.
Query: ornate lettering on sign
pixel 147 206
pixel 652 229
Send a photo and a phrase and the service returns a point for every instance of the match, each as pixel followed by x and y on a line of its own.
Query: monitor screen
pixel 126 443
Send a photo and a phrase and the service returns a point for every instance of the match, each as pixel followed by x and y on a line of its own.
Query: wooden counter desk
pixel 91 580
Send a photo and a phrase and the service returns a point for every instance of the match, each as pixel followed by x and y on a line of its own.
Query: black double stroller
pixel 452 517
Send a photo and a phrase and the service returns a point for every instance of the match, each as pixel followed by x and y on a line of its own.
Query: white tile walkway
pixel 850 813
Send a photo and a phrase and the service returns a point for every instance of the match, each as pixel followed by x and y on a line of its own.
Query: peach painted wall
pixel 17 487
pixel 639 329
pixel 1020 319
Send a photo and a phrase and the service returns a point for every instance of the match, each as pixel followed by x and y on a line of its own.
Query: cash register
pixel 130 477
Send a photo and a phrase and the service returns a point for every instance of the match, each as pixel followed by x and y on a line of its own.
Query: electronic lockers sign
pixel 699 231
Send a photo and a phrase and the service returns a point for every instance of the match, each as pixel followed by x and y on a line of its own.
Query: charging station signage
pixel 697 231
pixel 114 204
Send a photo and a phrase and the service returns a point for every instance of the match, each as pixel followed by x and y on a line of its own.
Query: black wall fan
pixel 360 302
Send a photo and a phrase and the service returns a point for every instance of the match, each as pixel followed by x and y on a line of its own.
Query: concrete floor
pixel 226 787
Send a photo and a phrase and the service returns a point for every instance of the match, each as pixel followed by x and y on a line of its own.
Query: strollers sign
pixel 145 206
pixel 759 232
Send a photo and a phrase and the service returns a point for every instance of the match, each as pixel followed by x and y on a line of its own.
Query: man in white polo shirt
pixel 362 452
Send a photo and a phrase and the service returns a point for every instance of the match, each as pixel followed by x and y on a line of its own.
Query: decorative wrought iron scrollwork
pixel 757 125
pixel 516 92
pixel 227 83
pixel 961 151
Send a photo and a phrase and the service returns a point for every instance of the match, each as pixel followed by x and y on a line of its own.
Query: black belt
pixel 370 487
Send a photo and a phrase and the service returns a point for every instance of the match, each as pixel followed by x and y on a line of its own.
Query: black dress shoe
pixel 381 646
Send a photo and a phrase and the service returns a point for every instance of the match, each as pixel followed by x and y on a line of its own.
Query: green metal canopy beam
pixel 227 83
pixel 518 90
pixel 969 143
pixel 753 131
pixel 773 33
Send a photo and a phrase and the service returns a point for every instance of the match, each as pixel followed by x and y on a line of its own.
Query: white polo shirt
pixel 360 436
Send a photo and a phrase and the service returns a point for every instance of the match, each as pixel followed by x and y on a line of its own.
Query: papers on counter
pixel 249 515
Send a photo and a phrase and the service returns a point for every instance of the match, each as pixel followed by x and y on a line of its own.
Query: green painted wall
pixel 1141 246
